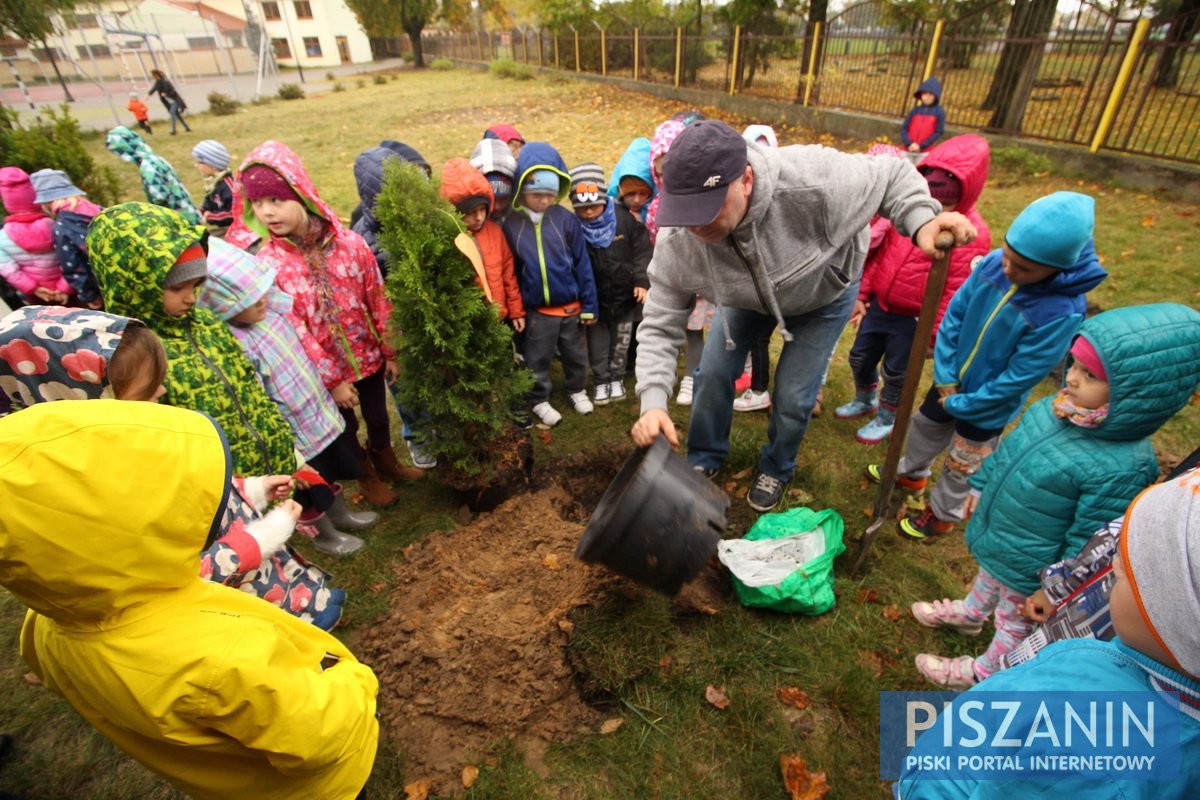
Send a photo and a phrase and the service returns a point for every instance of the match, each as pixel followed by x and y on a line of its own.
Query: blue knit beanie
pixel 212 153
pixel 542 180
pixel 1053 230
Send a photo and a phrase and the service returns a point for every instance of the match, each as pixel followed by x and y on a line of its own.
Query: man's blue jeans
pixel 797 379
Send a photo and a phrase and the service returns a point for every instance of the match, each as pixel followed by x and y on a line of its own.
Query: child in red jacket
pixel 893 283
pixel 471 194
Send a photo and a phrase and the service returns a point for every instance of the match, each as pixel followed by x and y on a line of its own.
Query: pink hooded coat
pixel 27 259
pixel 340 309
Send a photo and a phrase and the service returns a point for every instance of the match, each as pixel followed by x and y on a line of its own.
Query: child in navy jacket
pixel 926 122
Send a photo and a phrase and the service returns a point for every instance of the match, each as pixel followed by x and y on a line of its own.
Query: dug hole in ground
pixel 474 648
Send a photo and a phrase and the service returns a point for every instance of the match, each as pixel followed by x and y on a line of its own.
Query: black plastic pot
pixel 658 522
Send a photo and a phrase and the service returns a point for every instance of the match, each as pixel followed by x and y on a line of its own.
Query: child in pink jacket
pixel 27 259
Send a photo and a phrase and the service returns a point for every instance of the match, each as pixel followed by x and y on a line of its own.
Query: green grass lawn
pixel 650 663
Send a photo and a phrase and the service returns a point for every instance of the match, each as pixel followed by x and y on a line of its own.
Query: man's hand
pixel 345 395
pixel 950 222
pixel 856 316
pixel 650 425
pixel 589 321
pixel 519 324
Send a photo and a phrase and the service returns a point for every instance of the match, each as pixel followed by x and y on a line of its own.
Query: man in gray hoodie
pixel 773 237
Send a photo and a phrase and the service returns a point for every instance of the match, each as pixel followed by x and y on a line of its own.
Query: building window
pixel 100 50
pixel 86 21
pixel 280 46
pixel 202 42
pixel 8 51
pixel 312 47
pixel 270 10
pixel 43 54
pixel 234 38
pixel 303 9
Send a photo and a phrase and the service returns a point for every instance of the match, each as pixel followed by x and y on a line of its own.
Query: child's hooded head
pixel 1048 236
pixel 540 190
pixel 493 158
pixel 1156 600
pixel 276 204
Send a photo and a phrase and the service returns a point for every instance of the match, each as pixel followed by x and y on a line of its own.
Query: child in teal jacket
pixel 1155 604
pixel 1073 463
pixel 1005 329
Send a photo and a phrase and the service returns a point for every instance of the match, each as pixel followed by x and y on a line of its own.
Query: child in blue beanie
pixel 555 273
pixel 1006 328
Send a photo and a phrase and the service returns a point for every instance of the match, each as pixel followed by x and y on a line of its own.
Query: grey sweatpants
pixel 545 333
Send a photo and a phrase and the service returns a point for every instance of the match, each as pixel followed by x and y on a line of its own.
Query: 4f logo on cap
pixel 712 181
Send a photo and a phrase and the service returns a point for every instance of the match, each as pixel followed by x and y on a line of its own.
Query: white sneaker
pixel 751 400
pixel 546 413
pixel 420 458
pixel 601 394
pixel 616 391
pixel 684 398
pixel 581 403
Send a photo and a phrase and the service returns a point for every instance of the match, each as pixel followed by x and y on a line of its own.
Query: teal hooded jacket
pixel 1051 484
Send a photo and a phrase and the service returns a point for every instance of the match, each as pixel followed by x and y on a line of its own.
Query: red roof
pixel 225 22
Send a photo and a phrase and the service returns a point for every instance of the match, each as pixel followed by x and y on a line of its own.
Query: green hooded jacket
pixel 132 247
pixel 159 178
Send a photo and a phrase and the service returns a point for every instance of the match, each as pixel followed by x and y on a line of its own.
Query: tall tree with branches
pixel 33 21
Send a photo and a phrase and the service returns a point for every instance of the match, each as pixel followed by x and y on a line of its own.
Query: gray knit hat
pixel 1160 548
pixel 192 264
pixel 212 153
pixel 53 184
pixel 587 186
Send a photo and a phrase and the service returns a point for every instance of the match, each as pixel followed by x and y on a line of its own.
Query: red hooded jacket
pixel 895 274
pixel 461 180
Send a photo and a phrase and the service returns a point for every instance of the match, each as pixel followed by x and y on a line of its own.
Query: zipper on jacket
pixel 537 232
pixel 262 442
pixel 983 331
pixel 762 299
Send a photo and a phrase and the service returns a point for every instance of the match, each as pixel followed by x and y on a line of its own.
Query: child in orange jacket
pixel 465 187
pixel 140 112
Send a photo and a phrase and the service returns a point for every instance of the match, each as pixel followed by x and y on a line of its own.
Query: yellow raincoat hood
pixel 81 542
pixel 106 505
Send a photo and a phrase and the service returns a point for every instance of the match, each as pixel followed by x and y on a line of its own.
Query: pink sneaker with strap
pixel 947 613
pixel 950 673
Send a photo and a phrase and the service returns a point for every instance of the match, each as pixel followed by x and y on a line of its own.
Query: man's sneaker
pixel 864 403
pixel 947 614
pixel 616 391
pixel 878 428
pixel 874 473
pixel 601 395
pixel 546 413
pixel 925 526
pixel 420 458
pixel 707 472
pixel 684 398
pixel 766 492
pixel 752 401
pixel 580 402
pixel 949 673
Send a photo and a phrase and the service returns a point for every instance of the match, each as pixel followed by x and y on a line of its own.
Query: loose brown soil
pixel 474 648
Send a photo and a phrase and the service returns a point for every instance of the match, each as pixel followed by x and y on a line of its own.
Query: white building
pixel 314 33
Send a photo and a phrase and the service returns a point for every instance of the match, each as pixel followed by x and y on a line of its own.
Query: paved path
pixel 93 109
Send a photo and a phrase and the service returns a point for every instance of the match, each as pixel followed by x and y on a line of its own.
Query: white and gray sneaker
pixel 580 402
pixel 601 394
pixel 546 413
pixel 420 458
pixel 684 397
pixel 616 391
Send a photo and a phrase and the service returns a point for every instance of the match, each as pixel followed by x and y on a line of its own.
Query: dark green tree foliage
pixel 456 358
pixel 53 141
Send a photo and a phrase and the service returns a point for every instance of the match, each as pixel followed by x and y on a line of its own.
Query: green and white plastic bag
pixel 785 561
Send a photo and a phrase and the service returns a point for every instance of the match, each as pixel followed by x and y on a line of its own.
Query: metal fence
pixel 1094 79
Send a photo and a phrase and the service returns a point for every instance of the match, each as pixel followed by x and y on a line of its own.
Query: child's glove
pixel 272 531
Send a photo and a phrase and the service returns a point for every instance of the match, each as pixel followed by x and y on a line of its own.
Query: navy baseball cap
pixel 705 158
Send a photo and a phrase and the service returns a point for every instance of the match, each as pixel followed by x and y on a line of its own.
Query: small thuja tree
pixel 457 371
